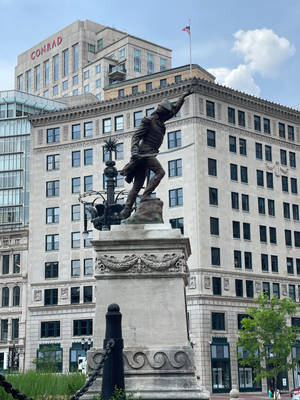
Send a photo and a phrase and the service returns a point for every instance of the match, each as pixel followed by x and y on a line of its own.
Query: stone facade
pixel 217 127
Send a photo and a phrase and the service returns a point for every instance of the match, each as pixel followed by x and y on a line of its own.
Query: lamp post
pixel 108 213
pixel 86 344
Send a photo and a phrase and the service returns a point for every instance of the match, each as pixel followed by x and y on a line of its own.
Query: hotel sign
pixel 46 47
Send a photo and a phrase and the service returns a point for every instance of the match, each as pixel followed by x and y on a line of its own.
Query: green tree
pixel 267 339
pixel 46 360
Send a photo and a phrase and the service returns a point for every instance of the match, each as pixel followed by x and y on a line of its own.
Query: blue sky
pixel 253 46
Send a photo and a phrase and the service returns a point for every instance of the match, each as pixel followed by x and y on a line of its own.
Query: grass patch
pixel 40 385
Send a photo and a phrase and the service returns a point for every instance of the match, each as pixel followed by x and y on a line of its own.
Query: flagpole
pixel 190 35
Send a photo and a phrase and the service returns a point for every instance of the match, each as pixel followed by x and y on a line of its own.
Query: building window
pixel 87 241
pixel 272 232
pixel 174 139
pixel 177 223
pixel 292 292
pixel 52 242
pixel 286 210
pixel 16 263
pixel 98 83
pixel 177 78
pixel 298 266
pixel 137 60
pixel 269 179
pixel 233 172
pixel 246 231
pixel 258 151
pixel 211 138
pixel 260 177
pixel 292 157
pixel 75 240
pixel 281 128
pixel 88 129
pixel 210 109
pixel 50 297
pixel 231 115
pixel 294 188
pixel 86 75
pixel 88 266
pixel 218 321
pixel 290 265
pixel 248 260
pixel 88 157
pixel 75 212
pixel 75 80
pixel 236 229
pixel 119 123
pixel 120 151
pixel 239 288
pixel 243 147
pixel 297 238
pixel 276 290
pixel 288 237
pixel 263 233
pixel 214 226
pixel 266 288
pixel 215 256
pixel 87 294
pixel 5 297
pixel 53 162
pixel 52 189
pixel 106 125
pixel 217 286
pixel 50 329
pixel 65 62
pixel 99 44
pixel 284 183
pixel 283 158
pixel 122 53
pixel 4 329
pixel 82 327
pixel 244 174
pixel 121 93
pixel 52 215
pixel 291 135
pixel 28 81
pixel 75 295
pixel 267 126
pixel 75 158
pixel 148 86
pixel 232 144
pixel 264 262
pixel 88 183
pixel 162 83
pixel 175 168
pixel 213 196
pixel 46 72
pixel 249 289
pixel 175 197
pixel 76 131
pixel 241 118
pixel 55 90
pixel 212 167
pixel 75 268
pixel 137 118
pixel 134 89
pixel 162 64
pixel 53 135
pixel 20 82
pixel 237 255
pixel 75 49
pixel 245 202
pixel 51 269
pixel 15 328
pixel 274 263
pixel 5 264
pixel 295 208
pixel 235 200
pixel 257 123
pixel 76 185
pixel 37 77
pixel 271 207
pixel 268 153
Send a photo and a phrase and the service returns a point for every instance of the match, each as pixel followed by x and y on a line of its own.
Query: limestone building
pixel 232 163
pixel 83 58
pixel 15 107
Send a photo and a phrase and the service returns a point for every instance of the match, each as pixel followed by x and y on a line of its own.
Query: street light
pixel 86 344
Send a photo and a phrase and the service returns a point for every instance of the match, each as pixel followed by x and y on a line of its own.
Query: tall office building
pixel 15 107
pixel 232 163
pixel 83 58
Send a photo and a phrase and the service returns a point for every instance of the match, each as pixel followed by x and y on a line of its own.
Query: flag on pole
pixel 187 29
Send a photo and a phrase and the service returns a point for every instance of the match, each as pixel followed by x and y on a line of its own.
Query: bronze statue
pixel 145 144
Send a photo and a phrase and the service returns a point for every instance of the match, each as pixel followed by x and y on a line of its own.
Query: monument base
pixel 143 269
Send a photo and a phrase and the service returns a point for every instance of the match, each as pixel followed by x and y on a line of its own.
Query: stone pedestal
pixel 143 269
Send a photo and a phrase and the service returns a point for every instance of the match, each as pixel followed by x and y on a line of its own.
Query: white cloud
pixel 263 51
pixel 6 75
pixel 239 78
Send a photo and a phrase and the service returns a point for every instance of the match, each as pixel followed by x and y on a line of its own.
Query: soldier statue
pixel 145 144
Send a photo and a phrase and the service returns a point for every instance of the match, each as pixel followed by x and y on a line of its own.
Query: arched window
pixel 16 296
pixel 5 297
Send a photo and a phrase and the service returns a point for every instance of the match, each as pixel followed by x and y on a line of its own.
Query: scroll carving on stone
pixel 284 289
pixel 149 360
pixel 145 263
pixel 64 293
pixel 257 287
pixel 277 168
pixel 192 282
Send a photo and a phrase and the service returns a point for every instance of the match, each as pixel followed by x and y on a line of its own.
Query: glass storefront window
pixel 220 365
